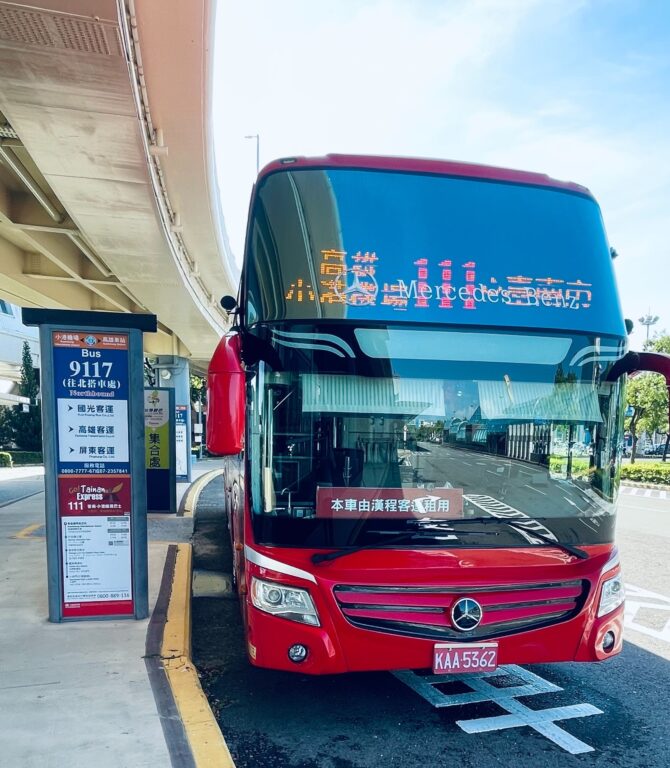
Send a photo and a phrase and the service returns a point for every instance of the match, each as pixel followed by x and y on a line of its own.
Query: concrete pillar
pixel 173 371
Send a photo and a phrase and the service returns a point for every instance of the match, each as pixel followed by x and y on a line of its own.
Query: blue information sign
pixel 91 391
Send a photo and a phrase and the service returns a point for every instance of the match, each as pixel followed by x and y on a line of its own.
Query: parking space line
pixel 542 721
pixel 637 600
pixel 27 532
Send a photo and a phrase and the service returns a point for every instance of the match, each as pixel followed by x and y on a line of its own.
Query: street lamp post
pixel 648 320
pixel 258 145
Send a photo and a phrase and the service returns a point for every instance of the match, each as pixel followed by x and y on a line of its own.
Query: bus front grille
pixel 426 611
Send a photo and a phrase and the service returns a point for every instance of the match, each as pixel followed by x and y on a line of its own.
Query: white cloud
pixel 440 79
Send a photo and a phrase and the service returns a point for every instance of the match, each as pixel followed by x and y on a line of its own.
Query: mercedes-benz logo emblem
pixel 355 287
pixel 466 614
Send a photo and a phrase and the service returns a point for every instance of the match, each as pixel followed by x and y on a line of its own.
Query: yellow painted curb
pixel 194 491
pixel 204 736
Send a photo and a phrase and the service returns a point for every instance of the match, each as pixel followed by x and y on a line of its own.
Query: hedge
pixel 5 459
pixel 580 465
pixel 26 457
pixel 647 472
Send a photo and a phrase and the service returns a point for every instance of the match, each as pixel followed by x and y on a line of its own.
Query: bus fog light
pixel 608 641
pixel 297 653
pixel 612 595
pixel 290 603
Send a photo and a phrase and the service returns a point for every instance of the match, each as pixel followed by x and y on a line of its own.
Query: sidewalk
pixel 79 693
pixel 14 473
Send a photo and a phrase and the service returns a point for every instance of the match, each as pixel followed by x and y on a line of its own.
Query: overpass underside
pixel 107 192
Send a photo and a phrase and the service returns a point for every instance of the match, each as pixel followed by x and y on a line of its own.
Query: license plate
pixel 459 658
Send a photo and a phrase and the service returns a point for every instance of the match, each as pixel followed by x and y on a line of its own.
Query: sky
pixel 577 89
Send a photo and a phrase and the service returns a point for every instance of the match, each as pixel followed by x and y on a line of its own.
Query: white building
pixel 12 335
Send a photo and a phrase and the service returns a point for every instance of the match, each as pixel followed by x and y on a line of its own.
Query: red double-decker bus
pixel 422 402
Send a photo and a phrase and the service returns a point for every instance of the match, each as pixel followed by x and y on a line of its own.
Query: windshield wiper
pixel 428 529
pixel 427 532
pixel 515 524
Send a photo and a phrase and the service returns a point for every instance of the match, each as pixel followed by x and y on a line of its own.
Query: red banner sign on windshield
pixel 406 503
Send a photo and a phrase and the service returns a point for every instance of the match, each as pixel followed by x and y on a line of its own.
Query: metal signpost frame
pixel 100 330
pixel 183 458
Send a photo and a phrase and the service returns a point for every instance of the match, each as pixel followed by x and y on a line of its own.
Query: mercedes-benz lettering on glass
pixel 373 245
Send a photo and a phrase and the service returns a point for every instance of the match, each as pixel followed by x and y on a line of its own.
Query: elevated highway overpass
pixel 108 192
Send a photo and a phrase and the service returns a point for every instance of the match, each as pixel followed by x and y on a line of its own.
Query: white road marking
pixel 638 599
pixel 649 493
pixel 537 490
pixel 541 720
pixel 501 510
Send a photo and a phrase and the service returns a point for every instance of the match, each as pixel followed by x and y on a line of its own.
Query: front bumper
pixel 337 646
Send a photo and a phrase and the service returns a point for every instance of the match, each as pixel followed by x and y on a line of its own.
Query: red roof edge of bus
pixel 423 165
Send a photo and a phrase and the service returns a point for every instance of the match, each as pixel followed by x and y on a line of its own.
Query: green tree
pixel 660 343
pixel 6 429
pixel 199 401
pixel 27 426
pixel 648 396
pixel 198 389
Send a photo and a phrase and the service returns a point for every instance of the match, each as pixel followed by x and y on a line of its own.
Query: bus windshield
pixel 383 246
pixel 357 432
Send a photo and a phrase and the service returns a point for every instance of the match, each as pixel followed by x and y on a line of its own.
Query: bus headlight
pixel 611 595
pixel 290 603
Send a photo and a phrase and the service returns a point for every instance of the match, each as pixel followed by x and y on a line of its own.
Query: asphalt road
pixel 20 488
pixel 355 721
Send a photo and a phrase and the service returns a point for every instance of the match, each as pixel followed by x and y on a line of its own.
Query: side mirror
pixel 637 362
pixel 229 303
pixel 226 404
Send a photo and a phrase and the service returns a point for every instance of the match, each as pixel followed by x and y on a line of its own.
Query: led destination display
pixel 388 246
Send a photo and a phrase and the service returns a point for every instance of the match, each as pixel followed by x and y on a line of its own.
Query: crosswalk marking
pixel 648 493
